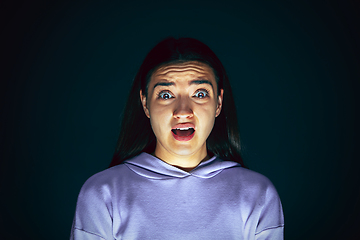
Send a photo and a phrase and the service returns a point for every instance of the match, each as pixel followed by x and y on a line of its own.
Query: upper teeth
pixel 187 128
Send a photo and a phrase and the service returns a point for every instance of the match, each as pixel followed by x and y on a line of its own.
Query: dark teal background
pixel 67 68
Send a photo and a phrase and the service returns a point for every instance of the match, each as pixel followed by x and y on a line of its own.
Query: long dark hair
pixel 136 134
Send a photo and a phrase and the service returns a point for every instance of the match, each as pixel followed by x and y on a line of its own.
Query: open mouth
pixel 183 132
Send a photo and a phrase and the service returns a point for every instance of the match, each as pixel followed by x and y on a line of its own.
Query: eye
pixel 203 93
pixel 165 95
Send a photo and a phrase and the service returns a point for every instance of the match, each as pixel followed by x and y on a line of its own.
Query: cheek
pixel 206 115
pixel 158 119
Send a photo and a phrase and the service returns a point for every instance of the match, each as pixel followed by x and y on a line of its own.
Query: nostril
pixel 190 115
pixel 183 113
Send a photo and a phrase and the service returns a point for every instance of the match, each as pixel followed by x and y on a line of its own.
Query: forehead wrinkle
pixel 184 66
pixel 188 72
pixel 191 80
pixel 194 81
pixel 181 67
pixel 172 71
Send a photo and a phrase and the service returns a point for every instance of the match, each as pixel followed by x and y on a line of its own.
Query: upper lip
pixel 184 125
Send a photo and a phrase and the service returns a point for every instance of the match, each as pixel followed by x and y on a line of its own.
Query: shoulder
pixel 246 175
pixel 95 204
pixel 255 189
pixel 249 180
pixel 104 181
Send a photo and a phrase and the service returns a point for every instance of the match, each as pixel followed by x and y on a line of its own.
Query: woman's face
pixel 182 104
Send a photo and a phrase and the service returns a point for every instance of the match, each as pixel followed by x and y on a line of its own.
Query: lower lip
pixel 187 138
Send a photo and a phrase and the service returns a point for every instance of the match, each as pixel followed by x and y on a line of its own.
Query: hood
pixel 149 166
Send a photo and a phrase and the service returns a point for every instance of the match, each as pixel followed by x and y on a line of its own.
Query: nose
pixel 183 109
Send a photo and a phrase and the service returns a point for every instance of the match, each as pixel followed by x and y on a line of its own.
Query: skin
pixel 182 101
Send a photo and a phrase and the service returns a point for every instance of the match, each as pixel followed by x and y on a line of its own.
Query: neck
pixel 184 162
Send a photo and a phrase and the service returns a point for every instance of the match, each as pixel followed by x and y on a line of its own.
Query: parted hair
pixel 136 134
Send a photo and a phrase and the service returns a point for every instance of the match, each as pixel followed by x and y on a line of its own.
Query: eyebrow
pixel 193 82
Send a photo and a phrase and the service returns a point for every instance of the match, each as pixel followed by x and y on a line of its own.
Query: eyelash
pixel 204 91
pixel 162 93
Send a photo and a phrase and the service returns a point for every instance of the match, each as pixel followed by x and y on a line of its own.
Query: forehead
pixel 183 71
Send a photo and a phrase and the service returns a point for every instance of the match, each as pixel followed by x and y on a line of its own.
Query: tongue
pixel 183 133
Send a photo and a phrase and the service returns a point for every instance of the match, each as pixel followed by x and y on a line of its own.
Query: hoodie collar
pixel 149 166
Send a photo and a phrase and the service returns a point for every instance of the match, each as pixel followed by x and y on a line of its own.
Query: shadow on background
pixel 67 69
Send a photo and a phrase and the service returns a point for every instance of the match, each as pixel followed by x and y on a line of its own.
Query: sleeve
pixel 93 215
pixel 83 235
pixel 271 221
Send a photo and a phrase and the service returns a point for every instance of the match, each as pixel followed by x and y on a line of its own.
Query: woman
pixel 177 172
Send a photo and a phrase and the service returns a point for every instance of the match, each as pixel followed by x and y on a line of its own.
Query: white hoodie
pixel 146 198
